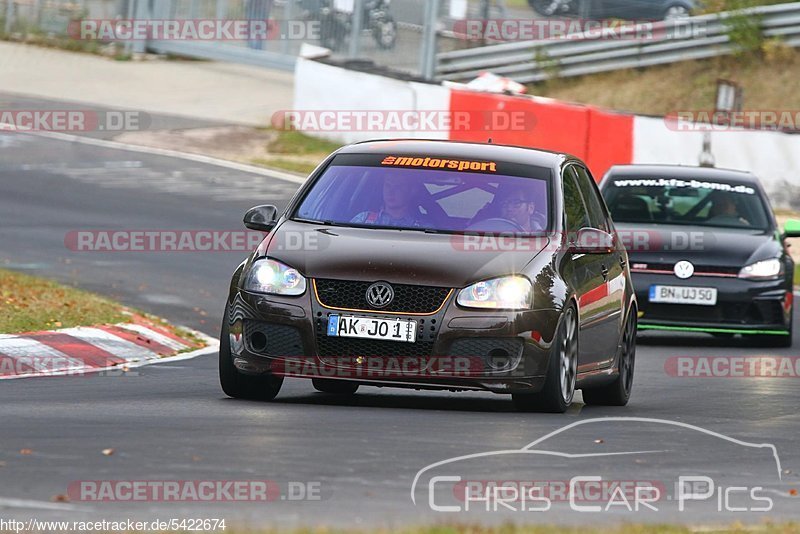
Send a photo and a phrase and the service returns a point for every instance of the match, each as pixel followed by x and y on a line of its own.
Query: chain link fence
pixel 403 35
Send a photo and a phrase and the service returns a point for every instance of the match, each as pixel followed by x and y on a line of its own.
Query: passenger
pixel 517 205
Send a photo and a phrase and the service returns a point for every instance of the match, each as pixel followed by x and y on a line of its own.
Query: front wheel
pixel 618 392
pixel 562 372
pixel 238 385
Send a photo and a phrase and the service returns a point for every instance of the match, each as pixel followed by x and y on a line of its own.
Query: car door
pixel 604 306
pixel 578 269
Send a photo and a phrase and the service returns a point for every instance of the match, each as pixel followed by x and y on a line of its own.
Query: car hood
pixel 399 256
pixel 717 247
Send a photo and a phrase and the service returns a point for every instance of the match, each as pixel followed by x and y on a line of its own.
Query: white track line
pixel 104 143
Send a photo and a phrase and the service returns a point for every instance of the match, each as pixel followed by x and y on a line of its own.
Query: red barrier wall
pixel 598 137
pixel 609 141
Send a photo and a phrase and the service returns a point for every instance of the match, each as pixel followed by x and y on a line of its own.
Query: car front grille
pixel 699 270
pixel 407 298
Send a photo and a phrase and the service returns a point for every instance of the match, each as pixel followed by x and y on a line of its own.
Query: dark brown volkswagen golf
pixel 436 265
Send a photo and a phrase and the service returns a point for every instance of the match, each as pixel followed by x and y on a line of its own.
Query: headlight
pixel 763 270
pixel 508 292
pixel 273 277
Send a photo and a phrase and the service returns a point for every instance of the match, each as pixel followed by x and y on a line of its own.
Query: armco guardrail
pixel 577 55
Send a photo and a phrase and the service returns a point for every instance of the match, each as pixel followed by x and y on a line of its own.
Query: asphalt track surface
pixel 359 456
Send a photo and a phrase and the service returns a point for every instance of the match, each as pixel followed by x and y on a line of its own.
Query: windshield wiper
pixel 314 221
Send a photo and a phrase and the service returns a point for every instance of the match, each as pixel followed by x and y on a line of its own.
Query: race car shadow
pixel 679 339
pixel 369 397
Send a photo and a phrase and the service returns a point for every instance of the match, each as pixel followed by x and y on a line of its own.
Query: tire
pixel 238 385
pixel 618 392
pixel 334 387
pixel 547 8
pixel 562 372
pixel 385 33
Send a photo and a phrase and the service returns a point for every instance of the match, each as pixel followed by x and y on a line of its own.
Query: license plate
pixel 701 296
pixel 372 328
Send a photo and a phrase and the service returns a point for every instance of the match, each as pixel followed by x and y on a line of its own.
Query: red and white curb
pixel 82 350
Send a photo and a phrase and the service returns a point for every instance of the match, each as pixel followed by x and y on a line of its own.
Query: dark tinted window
pixel 597 215
pixel 686 201
pixel 573 203
pixel 421 198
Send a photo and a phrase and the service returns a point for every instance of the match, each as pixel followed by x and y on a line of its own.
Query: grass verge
pixel 294 151
pixel 768 81
pixel 28 303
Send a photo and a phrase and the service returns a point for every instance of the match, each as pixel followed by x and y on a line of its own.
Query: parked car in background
pixel 619 9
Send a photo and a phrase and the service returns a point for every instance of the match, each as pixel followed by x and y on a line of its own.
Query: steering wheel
pixel 486 225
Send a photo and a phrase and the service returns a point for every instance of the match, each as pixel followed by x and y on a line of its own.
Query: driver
pixel 518 206
pixel 399 206
pixel 725 211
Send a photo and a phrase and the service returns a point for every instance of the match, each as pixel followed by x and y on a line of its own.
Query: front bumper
pixel 743 306
pixel 456 349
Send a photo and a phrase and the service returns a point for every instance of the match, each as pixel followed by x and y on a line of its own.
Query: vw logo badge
pixel 380 295
pixel 684 269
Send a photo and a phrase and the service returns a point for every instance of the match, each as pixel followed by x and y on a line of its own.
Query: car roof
pixel 683 171
pixel 460 149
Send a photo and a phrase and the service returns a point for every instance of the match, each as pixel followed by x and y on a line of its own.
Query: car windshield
pixel 430 194
pixel 686 201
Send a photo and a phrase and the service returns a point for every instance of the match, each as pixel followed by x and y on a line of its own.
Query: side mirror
pixel 592 241
pixel 792 228
pixel 262 218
